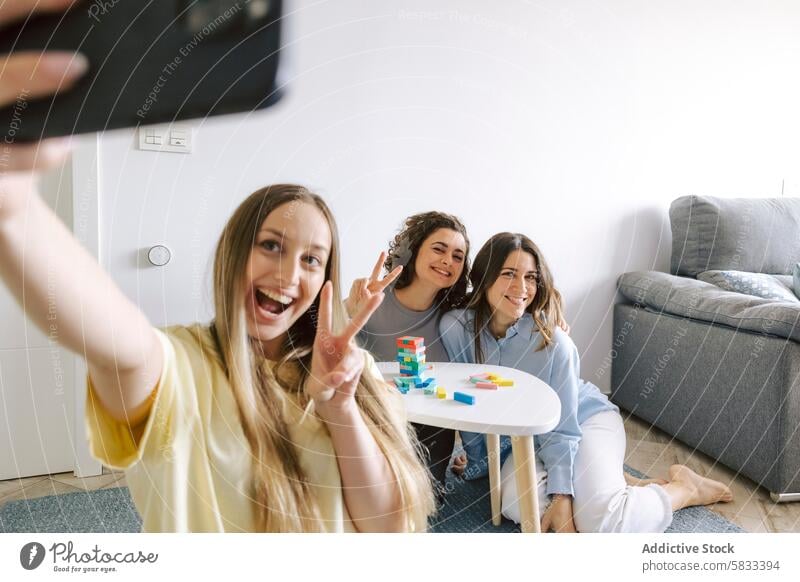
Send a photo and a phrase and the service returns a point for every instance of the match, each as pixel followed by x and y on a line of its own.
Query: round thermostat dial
pixel 159 255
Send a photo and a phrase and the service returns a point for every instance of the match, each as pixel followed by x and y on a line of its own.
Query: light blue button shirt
pixel 558 365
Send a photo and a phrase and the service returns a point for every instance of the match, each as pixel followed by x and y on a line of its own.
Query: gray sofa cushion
pixel 759 284
pixel 796 279
pixel 698 300
pixel 760 235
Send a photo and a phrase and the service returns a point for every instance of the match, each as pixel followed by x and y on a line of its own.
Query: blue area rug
pixel 104 510
pixel 466 509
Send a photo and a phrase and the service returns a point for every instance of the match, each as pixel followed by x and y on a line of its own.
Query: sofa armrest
pixel 694 299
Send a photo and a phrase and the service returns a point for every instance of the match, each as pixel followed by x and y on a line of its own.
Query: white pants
pixel 603 501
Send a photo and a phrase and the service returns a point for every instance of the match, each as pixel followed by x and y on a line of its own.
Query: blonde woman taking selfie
pixel 267 419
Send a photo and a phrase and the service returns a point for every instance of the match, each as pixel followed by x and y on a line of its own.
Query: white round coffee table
pixel 528 408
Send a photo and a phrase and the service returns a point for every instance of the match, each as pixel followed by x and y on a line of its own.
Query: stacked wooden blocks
pixel 414 370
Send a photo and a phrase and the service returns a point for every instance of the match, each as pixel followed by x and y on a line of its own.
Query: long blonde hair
pixel 283 498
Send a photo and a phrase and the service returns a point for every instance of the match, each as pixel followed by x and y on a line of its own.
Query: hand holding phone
pixel 27 75
pixel 149 61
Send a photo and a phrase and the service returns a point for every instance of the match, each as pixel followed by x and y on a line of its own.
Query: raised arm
pixel 370 489
pixel 56 281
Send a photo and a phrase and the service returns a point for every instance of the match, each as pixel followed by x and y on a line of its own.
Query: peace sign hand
pixel 337 363
pixel 364 289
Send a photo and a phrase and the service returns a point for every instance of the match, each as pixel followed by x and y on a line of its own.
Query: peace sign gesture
pixel 365 289
pixel 337 362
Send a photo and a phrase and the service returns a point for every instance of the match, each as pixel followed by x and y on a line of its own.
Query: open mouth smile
pixel 271 304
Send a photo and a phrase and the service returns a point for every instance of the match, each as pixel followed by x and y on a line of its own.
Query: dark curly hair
pixel 404 248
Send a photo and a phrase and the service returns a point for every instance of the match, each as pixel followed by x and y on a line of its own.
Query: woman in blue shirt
pixel 510 321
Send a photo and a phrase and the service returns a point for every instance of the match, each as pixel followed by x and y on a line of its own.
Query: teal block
pixel 465 398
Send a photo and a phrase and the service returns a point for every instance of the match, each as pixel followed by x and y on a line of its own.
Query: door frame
pixel 86 227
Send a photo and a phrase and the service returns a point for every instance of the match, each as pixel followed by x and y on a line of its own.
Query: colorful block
pixel 411 361
pixel 409 369
pixel 406 361
pixel 430 390
pixel 441 393
pixel 409 351
pixel 465 398
pixel 409 340
pixel 424 382
pixel 474 377
pixel 402 386
pixel 414 364
pixel 486 385
pixel 505 382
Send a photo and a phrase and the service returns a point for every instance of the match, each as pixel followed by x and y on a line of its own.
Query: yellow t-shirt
pixel 191 469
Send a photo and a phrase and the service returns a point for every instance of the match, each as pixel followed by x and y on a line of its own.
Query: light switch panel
pixel 166 138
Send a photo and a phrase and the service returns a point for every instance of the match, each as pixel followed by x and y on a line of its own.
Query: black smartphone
pixel 151 61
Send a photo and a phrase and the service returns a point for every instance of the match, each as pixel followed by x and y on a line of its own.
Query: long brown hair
pixel 404 248
pixel 283 498
pixel 546 307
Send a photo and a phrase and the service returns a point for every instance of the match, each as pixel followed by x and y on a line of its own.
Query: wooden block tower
pixel 414 370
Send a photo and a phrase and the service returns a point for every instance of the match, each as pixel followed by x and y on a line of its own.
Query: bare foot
pixel 634 482
pixel 697 490
pixel 459 465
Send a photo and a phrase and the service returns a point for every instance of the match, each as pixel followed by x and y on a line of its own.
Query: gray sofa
pixel 718 369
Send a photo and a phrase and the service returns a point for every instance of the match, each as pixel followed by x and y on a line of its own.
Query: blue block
pixel 465 398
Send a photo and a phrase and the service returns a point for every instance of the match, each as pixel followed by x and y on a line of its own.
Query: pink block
pixel 486 385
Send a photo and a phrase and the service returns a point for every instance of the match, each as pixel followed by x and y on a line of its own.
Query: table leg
pixel 525 474
pixel 493 448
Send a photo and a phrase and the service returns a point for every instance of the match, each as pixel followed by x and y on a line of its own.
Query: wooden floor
pixel 649 451
pixel 652 451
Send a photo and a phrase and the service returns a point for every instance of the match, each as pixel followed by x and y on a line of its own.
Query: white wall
pixel 574 122
pixel 36 376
